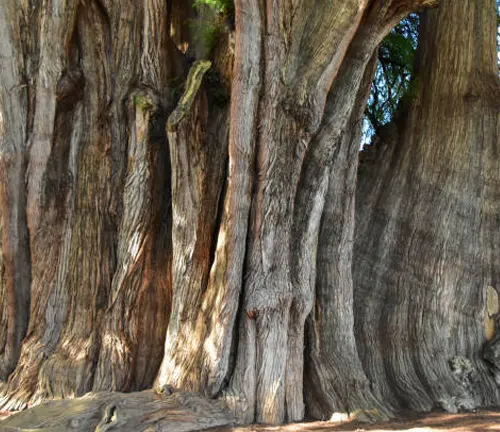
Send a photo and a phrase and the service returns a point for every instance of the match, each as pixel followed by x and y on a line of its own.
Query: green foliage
pixel 393 82
pixel 207 30
pixel 221 6
pixel 142 102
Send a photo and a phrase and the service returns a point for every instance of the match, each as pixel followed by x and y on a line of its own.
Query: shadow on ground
pixel 185 412
pixel 480 421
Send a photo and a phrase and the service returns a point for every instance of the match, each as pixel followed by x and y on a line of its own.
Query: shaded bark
pixel 13 147
pixel 424 253
pixel 153 200
pixel 335 381
pixel 86 172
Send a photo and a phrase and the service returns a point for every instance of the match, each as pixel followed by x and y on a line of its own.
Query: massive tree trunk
pixel 243 332
pixel 97 205
pixel 188 205
pixel 426 247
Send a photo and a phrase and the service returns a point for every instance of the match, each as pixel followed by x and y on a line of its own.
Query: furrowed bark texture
pixel 177 200
pixel 335 380
pixel 279 125
pixel 426 229
pixel 97 199
pixel 198 153
pixel 15 251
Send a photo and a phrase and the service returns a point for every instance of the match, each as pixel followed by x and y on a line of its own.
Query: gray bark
pixel 426 200
pixel 134 412
pixel 180 237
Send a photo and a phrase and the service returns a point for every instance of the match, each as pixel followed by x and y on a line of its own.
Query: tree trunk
pixel 98 199
pixel 186 225
pixel 335 380
pixel 15 301
pixel 426 231
pixel 279 90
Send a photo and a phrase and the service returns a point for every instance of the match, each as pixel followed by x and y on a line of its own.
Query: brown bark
pixel 230 222
pixel 425 227
pixel 135 412
pixel 87 171
pixel 15 262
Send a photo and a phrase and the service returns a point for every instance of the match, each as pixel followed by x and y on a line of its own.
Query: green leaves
pixel 393 79
pixel 213 16
pixel 222 6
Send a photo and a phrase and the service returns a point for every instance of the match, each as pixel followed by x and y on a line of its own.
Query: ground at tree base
pixel 178 415
pixel 479 421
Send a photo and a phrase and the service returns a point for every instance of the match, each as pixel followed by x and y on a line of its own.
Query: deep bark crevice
pixel 422 262
pixel 204 242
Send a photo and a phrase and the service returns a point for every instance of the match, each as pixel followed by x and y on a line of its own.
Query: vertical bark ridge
pixel 57 20
pixel 335 380
pixel 16 276
pixel 90 258
pixel 346 98
pixel 3 302
pixel 141 283
pixel 217 297
pixel 44 188
pixel 285 132
pixel 289 115
pixel 115 367
pixel 198 155
pixel 421 243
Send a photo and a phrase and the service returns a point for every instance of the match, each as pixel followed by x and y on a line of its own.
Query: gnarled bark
pixel 425 227
pixel 295 79
pixel 134 412
pixel 231 223
pixel 86 171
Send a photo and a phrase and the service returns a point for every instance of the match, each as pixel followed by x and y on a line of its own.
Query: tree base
pixel 147 410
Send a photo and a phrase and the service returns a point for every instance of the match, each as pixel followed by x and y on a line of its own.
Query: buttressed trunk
pixel 238 331
pixel 97 195
pixel 184 225
pixel 427 229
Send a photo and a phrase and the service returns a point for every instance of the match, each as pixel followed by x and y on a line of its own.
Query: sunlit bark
pixel 178 212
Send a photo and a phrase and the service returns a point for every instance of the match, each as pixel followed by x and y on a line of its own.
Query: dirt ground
pixel 467 422
pixel 480 421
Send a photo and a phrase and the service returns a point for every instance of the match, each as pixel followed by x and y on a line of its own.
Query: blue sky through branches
pixel 393 77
